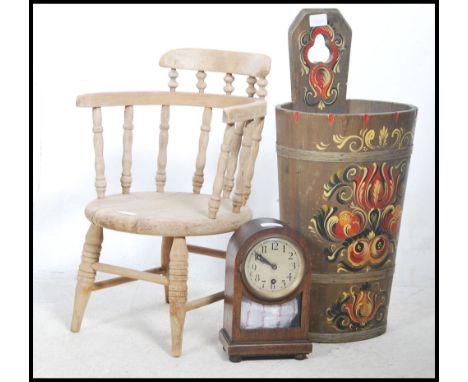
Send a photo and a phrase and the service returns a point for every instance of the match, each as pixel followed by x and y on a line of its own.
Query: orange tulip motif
pixel 358 307
pixel 362 226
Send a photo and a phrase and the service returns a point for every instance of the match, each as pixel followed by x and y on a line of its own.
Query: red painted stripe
pixel 396 116
pixel 366 119
pixel 331 118
pixel 296 116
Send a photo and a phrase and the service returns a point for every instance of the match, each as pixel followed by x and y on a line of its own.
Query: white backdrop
pixel 81 48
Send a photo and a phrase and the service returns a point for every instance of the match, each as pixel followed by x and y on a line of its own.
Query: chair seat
pixel 165 214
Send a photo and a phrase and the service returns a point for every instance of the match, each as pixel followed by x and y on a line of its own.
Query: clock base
pixel 237 351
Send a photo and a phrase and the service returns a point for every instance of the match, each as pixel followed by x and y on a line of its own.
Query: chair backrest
pixel 244 117
pixel 253 65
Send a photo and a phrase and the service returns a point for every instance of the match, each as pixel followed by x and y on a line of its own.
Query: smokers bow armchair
pixel 176 215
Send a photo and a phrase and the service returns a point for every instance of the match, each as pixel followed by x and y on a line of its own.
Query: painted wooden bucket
pixel 342 169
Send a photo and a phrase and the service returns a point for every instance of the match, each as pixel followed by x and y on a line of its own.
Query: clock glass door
pixel 270 316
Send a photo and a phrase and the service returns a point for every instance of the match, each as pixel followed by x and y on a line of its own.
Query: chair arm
pixel 161 98
pixel 240 113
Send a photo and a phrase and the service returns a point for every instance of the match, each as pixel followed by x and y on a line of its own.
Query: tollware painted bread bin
pixel 342 170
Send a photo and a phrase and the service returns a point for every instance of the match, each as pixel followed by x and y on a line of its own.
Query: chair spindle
pixel 198 177
pixel 236 143
pixel 229 79
pixel 236 139
pixel 233 158
pixel 256 138
pixel 126 178
pixel 100 182
pixel 238 199
pixel 162 156
pixel 251 80
pixel 172 82
pixel 201 84
pixel 215 200
pixel 262 83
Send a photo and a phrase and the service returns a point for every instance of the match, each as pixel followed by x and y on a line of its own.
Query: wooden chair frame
pixel 243 117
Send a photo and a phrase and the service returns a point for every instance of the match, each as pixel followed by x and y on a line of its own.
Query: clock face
pixel 273 268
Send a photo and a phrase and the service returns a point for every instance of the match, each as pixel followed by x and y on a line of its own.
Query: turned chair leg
pixel 86 274
pixel 166 244
pixel 178 269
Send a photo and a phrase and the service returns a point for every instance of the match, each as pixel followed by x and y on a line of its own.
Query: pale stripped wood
pixel 126 178
pixel 86 274
pixel 162 155
pixel 203 301
pixel 164 214
pixel 233 158
pixel 160 98
pixel 131 273
pixel 232 161
pixel 206 251
pixel 173 82
pixel 229 79
pixel 198 177
pixel 235 108
pixel 201 84
pixel 256 138
pixel 251 86
pixel 236 142
pixel 122 280
pixel 178 274
pixel 262 83
pixel 251 64
pixel 242 113
pixel 166 244
pixel 238 199
pixel 175 215
pixel 215 200
pixel 100 182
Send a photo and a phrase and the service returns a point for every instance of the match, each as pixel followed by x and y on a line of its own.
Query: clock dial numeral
pixel 274 267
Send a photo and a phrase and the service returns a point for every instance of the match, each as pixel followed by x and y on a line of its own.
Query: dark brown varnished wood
pixel 319 86
pixel 315 149
pixel 236 351
pixel 342 171
pixel 261 342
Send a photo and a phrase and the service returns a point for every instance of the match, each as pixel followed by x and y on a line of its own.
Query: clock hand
pixel 263 260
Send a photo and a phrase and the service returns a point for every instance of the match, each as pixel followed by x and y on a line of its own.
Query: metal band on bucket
pixel 333 278
pixel 321 156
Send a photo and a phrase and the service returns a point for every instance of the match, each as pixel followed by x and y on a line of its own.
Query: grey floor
pixel 125 333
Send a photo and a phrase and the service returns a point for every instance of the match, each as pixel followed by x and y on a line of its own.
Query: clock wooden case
pixel 267 266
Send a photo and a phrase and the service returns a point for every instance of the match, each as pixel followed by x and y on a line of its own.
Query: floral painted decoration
pixel 358 308
pixel 321 75
pixel 362 233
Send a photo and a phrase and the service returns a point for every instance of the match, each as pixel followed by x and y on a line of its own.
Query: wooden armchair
pixel 176 215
